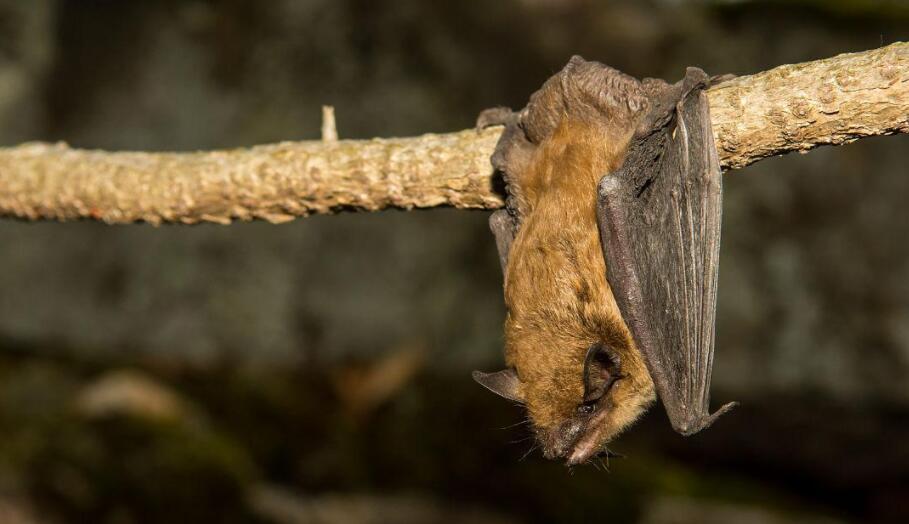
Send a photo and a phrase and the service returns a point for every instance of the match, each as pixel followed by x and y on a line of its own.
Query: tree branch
pixel 801 106
pixel 789 108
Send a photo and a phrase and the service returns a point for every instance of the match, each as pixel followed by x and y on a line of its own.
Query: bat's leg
pixel 503 228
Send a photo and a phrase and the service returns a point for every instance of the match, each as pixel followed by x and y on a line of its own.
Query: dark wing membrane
pixel 502 225
pixel 660 229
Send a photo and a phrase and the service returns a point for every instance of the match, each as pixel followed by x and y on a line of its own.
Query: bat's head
pixel 572 362
pixel 576 422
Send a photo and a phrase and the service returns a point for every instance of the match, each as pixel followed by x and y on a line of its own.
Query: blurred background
pixel 319 371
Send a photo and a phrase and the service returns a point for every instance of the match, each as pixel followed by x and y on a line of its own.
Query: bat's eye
pixel 601 370
pixel 586 408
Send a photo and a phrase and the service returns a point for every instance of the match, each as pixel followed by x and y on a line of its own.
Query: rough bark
pixel 801 106
pixel 273 182
pixel 789 108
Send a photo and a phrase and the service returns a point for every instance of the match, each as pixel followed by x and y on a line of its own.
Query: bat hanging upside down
pixel 609 245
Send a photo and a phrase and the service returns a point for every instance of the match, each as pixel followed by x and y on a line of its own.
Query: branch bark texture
pixel 801 106
pixel 789 108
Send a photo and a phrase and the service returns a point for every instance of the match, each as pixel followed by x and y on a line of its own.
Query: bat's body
pixel 559 303
pixel 572 360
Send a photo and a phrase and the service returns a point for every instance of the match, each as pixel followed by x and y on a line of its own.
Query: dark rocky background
pixel 319 371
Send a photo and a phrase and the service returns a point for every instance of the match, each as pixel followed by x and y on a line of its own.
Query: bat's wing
pixel 659 218
pixel 503 228
pixel 511 151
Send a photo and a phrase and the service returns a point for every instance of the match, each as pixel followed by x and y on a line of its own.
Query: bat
pixel 609 246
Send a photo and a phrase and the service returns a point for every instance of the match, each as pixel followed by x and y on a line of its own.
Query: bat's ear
pixel 503 383
pixel 602 367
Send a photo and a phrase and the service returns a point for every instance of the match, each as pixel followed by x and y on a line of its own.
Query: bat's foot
pixel 496 116
pixel 719 79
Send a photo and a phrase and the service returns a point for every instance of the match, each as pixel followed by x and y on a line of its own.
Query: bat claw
pixel 610 186
pixel 719 79
pixel 688 428
pixel 496 116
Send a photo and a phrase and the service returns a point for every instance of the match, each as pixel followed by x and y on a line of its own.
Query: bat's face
pixel 573 362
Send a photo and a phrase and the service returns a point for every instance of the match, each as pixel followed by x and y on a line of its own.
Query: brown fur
pixel 558 299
